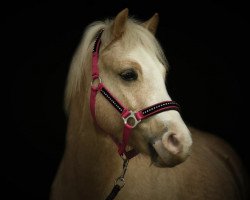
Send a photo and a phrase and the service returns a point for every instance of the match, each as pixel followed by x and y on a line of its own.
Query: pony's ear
pixel 152 23
pixel 119 23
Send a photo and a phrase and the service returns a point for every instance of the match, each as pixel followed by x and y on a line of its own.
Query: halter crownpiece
pixel 131 118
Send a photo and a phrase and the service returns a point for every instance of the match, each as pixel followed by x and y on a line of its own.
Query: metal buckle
pixel 120 182
pixel 131 119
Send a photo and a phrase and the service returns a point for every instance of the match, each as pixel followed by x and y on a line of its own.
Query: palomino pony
pixel 116 98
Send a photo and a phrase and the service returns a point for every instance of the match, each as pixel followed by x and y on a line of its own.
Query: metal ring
pixel 98 83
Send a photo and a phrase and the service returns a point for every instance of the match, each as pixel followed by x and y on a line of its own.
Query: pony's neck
pixel 91 161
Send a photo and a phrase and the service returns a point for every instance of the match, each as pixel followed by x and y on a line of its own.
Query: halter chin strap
pixel 131 119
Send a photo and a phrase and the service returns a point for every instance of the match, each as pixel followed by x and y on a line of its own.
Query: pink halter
pixel 127 115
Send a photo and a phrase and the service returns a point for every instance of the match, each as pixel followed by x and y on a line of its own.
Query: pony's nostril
pixel 172 143
pixel 173 140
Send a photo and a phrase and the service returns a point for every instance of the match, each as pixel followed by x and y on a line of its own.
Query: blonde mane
pixel 134 35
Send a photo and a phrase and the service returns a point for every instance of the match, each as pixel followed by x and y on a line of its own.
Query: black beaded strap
pixel 112 100
pixel 167 105
pixel 98 36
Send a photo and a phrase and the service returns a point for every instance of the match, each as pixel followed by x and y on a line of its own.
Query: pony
pixel 109 89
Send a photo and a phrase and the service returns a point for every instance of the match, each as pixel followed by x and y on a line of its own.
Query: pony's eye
pixel 129 75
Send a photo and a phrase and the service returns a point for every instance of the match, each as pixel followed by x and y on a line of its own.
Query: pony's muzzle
pixel 171 149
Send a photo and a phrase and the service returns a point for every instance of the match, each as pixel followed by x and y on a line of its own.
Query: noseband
pixel 131 118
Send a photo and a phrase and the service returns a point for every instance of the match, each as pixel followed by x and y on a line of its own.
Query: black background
pixel 206 45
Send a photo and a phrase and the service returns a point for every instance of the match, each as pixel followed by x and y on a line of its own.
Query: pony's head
pixel 133 67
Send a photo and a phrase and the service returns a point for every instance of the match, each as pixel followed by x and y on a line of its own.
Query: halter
pixel 130 118
pixel 126 114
